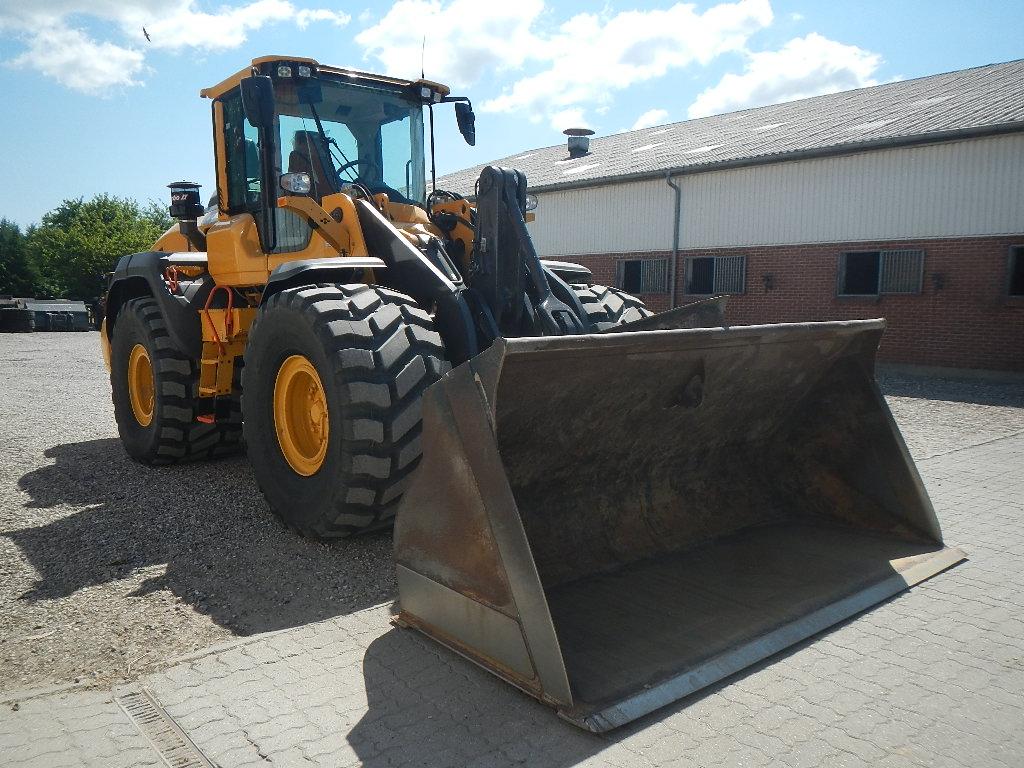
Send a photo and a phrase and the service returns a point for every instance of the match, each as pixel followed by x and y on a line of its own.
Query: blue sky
pixel 90 106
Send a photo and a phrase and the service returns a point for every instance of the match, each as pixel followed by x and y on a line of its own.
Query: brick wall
pixel 969 322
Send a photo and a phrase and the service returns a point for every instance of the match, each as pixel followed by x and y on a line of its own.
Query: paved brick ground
pixel 86 728
pixel 934 677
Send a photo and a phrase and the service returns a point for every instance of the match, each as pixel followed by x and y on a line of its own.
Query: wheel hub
pixel 141 389
pixel 300 415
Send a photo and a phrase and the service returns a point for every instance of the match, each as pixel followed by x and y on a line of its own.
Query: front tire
pixel 155 391
pixel 332 391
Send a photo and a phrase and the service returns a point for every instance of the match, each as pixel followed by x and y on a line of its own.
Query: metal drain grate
pixel 174 747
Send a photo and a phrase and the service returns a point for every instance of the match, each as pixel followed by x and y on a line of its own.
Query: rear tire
pixel 366 354
pixel 609 307
pixel 161 427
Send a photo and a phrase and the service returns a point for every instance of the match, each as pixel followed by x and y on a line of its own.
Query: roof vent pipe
pixel 579 141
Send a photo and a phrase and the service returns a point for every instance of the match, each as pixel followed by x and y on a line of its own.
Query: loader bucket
pixel 612 522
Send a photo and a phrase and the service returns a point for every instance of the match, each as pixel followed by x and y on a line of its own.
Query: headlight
pixel 531 202
pixel 297 183
pixel 283 70
pixel 305 71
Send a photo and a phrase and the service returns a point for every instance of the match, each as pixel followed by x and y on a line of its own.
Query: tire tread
pixel 181 437
pixel 609 307
pixel 384 352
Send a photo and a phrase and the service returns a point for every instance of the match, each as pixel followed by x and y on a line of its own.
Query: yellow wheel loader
pixel 609 509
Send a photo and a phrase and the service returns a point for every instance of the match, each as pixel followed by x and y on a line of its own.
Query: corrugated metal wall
pixel 618 217
pixel 963 188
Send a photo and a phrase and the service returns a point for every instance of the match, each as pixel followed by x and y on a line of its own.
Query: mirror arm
pixel 332 229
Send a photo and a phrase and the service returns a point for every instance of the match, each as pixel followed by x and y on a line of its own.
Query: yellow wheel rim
pixel 141 390
pixel 300 415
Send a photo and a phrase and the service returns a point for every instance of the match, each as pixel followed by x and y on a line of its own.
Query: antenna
pixel 423 56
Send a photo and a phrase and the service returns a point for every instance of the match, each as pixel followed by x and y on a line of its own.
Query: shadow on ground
pixel 428 706
pixel 224 553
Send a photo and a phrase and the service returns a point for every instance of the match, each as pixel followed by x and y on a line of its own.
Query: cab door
pixel 236 244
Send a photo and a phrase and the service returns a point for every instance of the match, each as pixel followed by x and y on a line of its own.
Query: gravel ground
pixel 108 569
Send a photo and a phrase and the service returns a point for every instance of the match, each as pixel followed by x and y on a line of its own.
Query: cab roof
pixel 215 91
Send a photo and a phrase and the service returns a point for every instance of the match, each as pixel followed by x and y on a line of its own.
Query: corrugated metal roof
pixel 970 101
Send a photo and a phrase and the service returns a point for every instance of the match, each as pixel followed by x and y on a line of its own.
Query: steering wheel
pixel 359 162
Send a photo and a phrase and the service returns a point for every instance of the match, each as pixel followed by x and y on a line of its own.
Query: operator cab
pixel 294 127
pixel 344 133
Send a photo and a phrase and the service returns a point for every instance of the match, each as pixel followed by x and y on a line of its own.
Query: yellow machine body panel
pixel 234 253
pixel 463 229
pixel 172 241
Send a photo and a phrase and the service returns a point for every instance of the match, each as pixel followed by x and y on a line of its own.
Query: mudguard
pixel 142 274
pixel 338 269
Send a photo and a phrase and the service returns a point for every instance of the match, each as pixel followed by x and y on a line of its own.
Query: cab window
pixel 397 146
pixel 344 134
pixel 244 178
pixel 241 142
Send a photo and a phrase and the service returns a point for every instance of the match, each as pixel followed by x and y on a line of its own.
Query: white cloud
pixel 306 16
pixel 649 118
pixel 455 42
pixel 569 118
pixel 71 57
pixel 582 62
pixel 182 25
pixel 805 66
pixel 66 53
pixel 590 57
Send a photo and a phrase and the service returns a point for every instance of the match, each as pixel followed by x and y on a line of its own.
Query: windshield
pixel 340 134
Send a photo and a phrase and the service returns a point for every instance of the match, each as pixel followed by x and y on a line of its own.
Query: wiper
pixel 330 142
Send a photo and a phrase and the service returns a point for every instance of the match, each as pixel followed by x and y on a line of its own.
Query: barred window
pixel 1016 276
pixel 870 273
pixel 716 274
pixel 642 275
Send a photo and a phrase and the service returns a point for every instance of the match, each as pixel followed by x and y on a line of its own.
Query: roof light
pixel 425 92
pixel 283 70
pixel 305 71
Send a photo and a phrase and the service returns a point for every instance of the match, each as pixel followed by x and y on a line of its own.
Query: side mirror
pixel 258 100
pixel 467 122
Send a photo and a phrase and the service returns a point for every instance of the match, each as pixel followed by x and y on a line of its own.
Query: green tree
pixel 157 214
pixel 80 240
pixel 18 275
